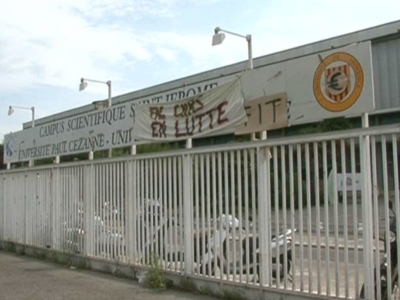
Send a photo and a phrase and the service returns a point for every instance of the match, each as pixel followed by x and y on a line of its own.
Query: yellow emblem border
pixel 358 86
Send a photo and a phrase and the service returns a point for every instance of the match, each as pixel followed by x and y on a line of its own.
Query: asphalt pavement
pixel 25 278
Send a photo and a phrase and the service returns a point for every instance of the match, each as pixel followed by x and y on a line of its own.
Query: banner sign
pixel 328 84
pixel 265 113
pixel 201 115
pixel 97 130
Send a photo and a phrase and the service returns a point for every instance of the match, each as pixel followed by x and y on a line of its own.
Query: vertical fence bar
pixel 376 210
pixel 181 193
pixel 125 181
pixel 199 236
pixel 2 206
pixel 214 200
pixel 155 213
pixel 130 220
pixel 246 212
pixel 355 217
pixel 88 204
pixel 220 205
pixel 367 211
pixel 326 213
pixel 113 207
pixel 97 220
pixel 318 215
pixel 239 187
pixel 233 205
pixel 264 214
pixel 188 212
pixel 208 202
pixel 276 208
pixel 176 195
pixel 387 215
pixel 284 217
pixel 162 217
pixel 165 210
pixel 118 211
pixel 149 211
pixel 292 214
pixel 142 204
pixel 396 195
pixel 301 230
pixel 203 210
pixel 156 210
pixel 345 225
pixel 226 181
pixel 336 217
pixel 309 216
pixel 170 207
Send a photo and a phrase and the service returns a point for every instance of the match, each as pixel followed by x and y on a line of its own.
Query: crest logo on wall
pixel 338 81
pixel 9 148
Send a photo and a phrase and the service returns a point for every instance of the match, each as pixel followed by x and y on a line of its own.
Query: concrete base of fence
pixel 195 284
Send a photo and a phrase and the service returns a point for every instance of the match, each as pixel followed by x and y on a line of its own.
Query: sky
pixel 46 46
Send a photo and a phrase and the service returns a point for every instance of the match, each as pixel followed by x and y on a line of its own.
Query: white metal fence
pixel 259 213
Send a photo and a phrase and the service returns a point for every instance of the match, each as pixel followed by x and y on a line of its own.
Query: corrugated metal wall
pixel 386 65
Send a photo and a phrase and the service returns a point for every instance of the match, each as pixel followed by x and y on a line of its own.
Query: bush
pixel 155 278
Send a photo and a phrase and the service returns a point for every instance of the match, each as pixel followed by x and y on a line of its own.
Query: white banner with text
pixel 197 116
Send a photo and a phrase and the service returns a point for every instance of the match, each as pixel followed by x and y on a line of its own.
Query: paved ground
pixel 24 278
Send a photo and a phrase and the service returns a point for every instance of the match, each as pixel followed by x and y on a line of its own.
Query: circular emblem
pixel 338 81
pixel 9 147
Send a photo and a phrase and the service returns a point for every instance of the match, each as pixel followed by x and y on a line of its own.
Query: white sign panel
pixel 265 113
pixel 329 84
pixel 198 116
pixel 98 130
pixel 348 182
pixel 325 85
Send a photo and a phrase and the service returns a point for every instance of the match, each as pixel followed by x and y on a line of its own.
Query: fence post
pixel 188 212
pixel 55 210
pixel 367 212
pixel 264 214
pixel 88 213
pixel 3 207
pixel 130 202
pixel 26 211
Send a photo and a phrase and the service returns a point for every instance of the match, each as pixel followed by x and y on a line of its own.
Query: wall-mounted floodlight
pixel 219 37
pixel 98 104
pixel 11 111
pixel 84 83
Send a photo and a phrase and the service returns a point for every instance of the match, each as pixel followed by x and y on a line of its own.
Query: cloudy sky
pixel 46 46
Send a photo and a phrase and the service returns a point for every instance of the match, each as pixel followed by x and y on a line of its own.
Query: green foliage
pixel 328 125
pixel 44 161
pixel 10 247
pixel 155 277
pixel 20 251
pixel 38 254
pixel 230 295
pixel 207 291
pixel 156 147
pixel 187 285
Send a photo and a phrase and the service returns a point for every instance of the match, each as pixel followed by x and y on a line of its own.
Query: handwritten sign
pixel 200 115
pixel 265 113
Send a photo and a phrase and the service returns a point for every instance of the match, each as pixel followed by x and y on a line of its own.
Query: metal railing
pixel 270 213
